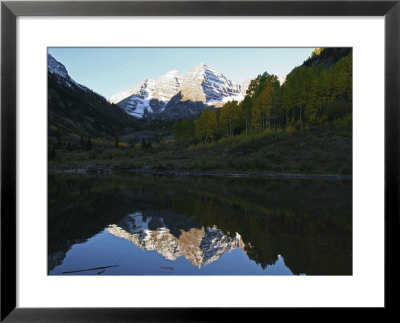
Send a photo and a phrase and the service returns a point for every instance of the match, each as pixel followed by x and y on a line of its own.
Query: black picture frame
pixel 10 10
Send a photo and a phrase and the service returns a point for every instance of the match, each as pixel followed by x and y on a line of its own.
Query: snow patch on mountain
pixel 282 79
pixel 167 86
pixel 55 67
pixel 118 97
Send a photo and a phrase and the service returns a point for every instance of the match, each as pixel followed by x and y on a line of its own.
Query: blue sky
pixel 111 70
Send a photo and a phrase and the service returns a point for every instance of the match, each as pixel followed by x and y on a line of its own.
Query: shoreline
pixel 93 169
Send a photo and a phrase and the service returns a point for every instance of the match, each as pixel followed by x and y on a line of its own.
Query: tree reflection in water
pixel 308 222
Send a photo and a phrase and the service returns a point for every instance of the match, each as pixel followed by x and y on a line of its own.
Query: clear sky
pixel 111 70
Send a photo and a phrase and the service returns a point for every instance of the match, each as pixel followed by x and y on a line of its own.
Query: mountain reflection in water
pixel 158 225
pixel 200 246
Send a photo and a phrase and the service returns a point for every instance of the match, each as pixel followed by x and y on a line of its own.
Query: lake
pixel 198 225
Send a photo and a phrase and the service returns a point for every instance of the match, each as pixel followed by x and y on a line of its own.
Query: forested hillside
pixel 77 110
pixel 301 126
pixel 314 95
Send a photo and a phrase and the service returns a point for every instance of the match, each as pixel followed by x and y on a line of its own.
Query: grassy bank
pixel 313 152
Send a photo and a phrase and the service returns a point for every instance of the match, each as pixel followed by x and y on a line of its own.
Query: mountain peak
pixel 55 67
pixel 202 84
pixel 204 67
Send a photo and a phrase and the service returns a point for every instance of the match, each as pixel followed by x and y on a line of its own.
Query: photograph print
pixel 199 161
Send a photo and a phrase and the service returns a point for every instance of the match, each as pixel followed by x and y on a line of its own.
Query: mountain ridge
pixel 202 84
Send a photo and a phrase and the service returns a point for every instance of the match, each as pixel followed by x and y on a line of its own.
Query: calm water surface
pixel 165 225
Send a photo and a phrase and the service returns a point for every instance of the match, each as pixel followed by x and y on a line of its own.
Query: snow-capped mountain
pixel 207 85
pixel 149 96
pixel 199 246
pixel 202 84
pixel 167 85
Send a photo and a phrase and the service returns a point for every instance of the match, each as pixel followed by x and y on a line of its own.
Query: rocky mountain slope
pixel 207 85
pixel 149 96
pixel 174 96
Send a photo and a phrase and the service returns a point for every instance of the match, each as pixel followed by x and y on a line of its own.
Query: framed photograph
pixel 164 158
